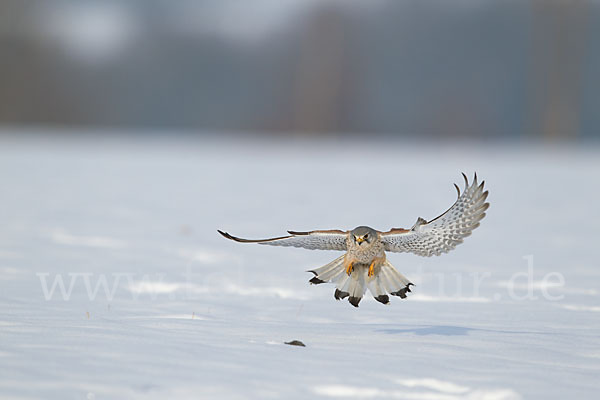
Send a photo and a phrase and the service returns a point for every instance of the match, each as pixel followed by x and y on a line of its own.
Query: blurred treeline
pixel 422 67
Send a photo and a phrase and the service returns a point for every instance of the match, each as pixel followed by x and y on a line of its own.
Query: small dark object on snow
pixel 295 343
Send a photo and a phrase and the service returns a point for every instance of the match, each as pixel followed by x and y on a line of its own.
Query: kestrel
pixel 364 265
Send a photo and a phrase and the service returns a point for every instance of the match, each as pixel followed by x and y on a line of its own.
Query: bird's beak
pixel 360 239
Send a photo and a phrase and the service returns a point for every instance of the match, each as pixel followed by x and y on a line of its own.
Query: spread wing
pixel 445 232
pixel 313 240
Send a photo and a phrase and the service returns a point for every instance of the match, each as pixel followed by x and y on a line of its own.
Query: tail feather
pixel 398 276
pixel 374 286
pixel 357 287
pixel 393 279
pixel 378 290
pixel 343 282
pixel 386 281
pixel 351 286
pixel 340 276
pixel 327 272
pixel 354 285
pixel 399 284
pixel 390 280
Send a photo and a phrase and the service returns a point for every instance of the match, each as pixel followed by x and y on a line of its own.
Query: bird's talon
pixel 349 269
pixel 371 269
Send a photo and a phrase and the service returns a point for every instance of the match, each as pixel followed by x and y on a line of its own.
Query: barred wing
pixel 313 240
pixel 445 232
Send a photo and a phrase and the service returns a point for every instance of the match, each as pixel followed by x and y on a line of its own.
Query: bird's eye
pixel 366 235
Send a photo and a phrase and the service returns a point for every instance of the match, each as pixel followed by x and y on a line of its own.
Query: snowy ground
pixel 157 305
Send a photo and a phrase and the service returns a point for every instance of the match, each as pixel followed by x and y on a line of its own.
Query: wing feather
pixel 313 240
pixel 446 231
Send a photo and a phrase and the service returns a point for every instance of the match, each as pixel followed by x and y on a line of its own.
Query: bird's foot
pixel 349 269
pixel 371 269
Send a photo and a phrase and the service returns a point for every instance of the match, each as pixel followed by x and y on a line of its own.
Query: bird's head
pixel 363 235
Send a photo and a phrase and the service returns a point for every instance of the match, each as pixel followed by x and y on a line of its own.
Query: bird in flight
pixel 364 264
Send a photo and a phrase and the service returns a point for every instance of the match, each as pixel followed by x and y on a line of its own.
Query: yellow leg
pixel 371 269
pixel 349 268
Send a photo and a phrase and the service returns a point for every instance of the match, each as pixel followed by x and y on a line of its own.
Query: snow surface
pixel 185 313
